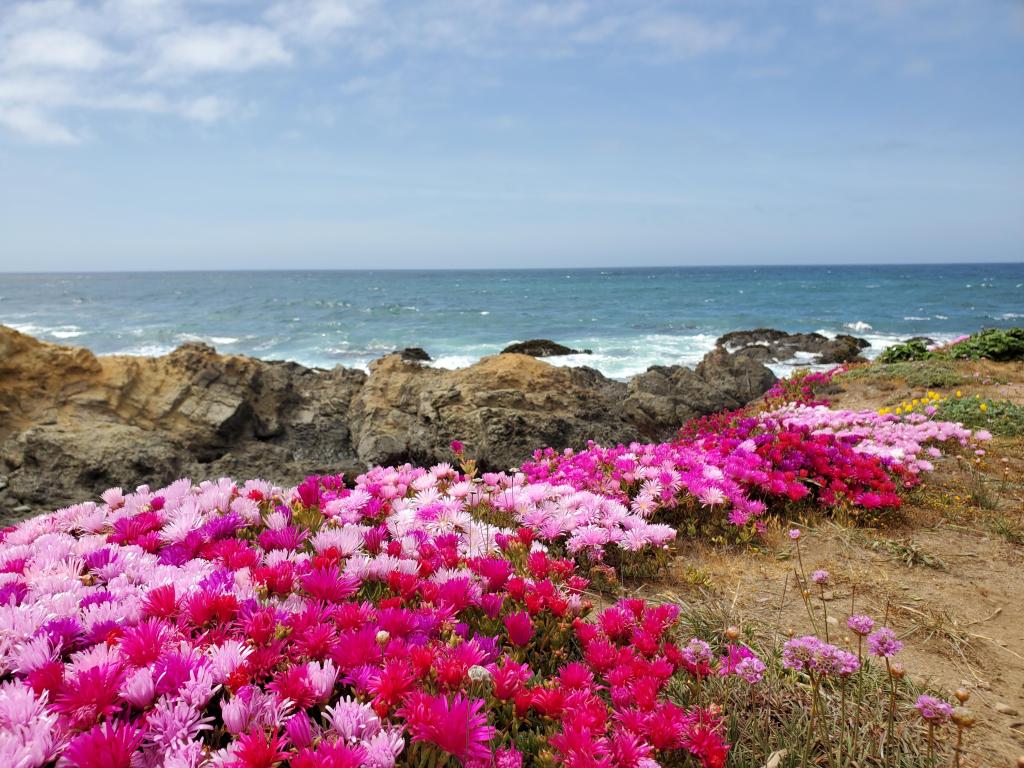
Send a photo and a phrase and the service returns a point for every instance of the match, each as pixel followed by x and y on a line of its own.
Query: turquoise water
pixel 630 318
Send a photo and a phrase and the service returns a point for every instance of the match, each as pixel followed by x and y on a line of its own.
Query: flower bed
pixel 423 617
pixel 732 466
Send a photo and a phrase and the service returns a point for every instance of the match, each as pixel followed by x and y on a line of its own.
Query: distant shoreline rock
pixel 772 345
pixel 73 423
pixel 542 348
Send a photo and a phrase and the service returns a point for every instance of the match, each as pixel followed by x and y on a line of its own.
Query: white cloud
pixel 55 49
pixel 59 58
pixel 687 35
pixel 205 109
pixel 316 20
pixel 35 126
pixel 228 48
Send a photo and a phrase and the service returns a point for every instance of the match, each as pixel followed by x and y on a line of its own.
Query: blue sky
pixel 459 133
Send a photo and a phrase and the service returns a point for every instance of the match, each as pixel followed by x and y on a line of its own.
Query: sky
pixel 245 134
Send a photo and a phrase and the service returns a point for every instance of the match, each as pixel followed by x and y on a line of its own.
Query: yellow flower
pixel 916 401
pixel 983 406
pixel 959 393
pixel 898 410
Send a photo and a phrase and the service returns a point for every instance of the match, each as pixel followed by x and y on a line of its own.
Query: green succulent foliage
pixel 908 351
pixel 993 344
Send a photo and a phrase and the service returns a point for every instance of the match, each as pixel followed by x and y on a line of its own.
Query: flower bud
pixel 897 671
pixel 732 633
pixel 962 695
pixel 962 717
pixel 383 636
pixel 478 674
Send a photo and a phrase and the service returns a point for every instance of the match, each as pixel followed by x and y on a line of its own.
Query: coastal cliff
pixel 73 423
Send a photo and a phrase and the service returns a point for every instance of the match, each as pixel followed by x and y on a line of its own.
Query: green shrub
pixel 915 349
pixel 992 343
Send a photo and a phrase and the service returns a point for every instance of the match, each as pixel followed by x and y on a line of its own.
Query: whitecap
pixel 860 326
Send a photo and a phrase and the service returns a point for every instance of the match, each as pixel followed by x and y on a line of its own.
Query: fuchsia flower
pixel 108 745
pixel 519 628
pixel 454 724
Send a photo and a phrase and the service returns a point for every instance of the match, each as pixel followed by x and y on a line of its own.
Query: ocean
pixel 630 318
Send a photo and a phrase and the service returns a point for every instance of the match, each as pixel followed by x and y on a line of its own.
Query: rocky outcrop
pixel 542 348
pixel 73 423
pixel 673 394
pixel 770 345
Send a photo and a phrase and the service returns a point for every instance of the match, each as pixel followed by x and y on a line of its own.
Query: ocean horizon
pixel 629 317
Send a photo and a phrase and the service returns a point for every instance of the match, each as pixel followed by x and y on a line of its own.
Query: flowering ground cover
pixel 422 616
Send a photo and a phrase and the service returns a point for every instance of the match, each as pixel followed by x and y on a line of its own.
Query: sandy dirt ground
pixel 947 569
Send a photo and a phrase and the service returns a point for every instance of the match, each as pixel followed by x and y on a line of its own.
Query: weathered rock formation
pixel 771 345
pixel 73 424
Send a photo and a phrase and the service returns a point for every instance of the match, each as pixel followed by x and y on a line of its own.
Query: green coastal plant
pixel 933 373
pixel 1000 417
pixel 915 349
pixel 992 344
pixel 998 344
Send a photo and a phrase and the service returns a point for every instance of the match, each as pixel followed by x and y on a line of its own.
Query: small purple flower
pixel 751 669
pixel 884 644
pixel 820 577
pixel 794 533
pixel 934 711
pixel 861 624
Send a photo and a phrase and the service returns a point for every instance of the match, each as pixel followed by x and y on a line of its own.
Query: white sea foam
pixel 915 317
pixel 67 332
pixel 860 326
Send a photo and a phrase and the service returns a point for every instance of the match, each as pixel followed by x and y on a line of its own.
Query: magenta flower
pixel 519 628
pixel 456 725
pixel 820 578
pixel 108 745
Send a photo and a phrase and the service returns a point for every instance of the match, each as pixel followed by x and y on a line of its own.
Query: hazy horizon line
pixel 231 270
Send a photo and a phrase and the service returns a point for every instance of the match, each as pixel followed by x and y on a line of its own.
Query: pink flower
pixel 108 745
pixel 932 710
pixel 455 724
pixel 519 628
pixel 884 644
pixel 794 533
pixel 861 624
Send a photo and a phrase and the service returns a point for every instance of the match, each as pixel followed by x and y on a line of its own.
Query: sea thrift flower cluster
pixel 932 710
pixel 816 657
pixel 393 623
